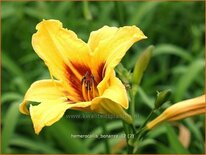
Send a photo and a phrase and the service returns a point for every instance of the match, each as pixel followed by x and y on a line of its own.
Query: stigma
pixel 88 87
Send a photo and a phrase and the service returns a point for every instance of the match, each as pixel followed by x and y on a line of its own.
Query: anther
pixel 88 86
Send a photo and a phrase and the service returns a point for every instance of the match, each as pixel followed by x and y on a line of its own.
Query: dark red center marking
pixel 88 83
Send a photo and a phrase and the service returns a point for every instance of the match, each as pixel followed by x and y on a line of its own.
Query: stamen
pixel 84 93
pixel 88 95
pixel 88 87
pixel 93 90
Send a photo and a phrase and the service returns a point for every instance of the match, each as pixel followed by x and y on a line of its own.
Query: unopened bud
pixel 141 65
pixel 162 97
pixel 180 110
pixel 123 73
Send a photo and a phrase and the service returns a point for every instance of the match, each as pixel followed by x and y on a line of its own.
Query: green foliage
pixel 174 142
pixel 176 29
pixel 11 120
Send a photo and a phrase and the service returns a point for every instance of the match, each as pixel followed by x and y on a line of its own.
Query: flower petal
pixel 66 56
pixel 41 91
pixel 113 100
pixel 185 106
pixel 97 36
pixel 116 92
pixel 188 114
pixel 107 106
pixel 49 112
pixel 110 44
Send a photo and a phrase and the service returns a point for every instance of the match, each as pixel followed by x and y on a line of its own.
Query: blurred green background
pixel 177 30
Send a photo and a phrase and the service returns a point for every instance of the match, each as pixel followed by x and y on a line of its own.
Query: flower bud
pixel 162 97
pixel 123 73
pixel 141 65
pixel 180 110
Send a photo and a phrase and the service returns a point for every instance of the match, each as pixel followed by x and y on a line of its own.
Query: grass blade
pixel 188 77
pixel 175 144
pixel 70 145
pixel 32 145
pixel 9 125
pixel 172 49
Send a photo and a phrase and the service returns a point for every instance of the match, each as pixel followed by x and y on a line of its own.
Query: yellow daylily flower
pixel 84 71
pixel 180 110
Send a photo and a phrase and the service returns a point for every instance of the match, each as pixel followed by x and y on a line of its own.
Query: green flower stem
pixel 132 104
pixel 142 129
pixel 127 130
pixel 147 119
pixel 130 128
pixel 132 144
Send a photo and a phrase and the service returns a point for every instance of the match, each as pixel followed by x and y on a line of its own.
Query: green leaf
pixel 157 132
pixel 37 146
pixel 148 101
pixel 110 126
pixel 100 148
pixel 172 49
pixel 142 11
pixel 188 78
pixel 163 149
pixel 175 144
pixel 86 11
pixel 62 8
pixel 62 132
pixel 29 58
pixel 194 130
pixel 145 143
pixel 10 96
pixel 11 65
pixel 9 125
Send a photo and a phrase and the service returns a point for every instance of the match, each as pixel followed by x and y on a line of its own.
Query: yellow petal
pixel 113 100
pixel 97 36
pixel 156 121
pixel 185 106
pixel 41 91
pixel 66 56
pixel 49 112
pixel 116 92
pixel 107 106
pixel 188 114
pixel 111 45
